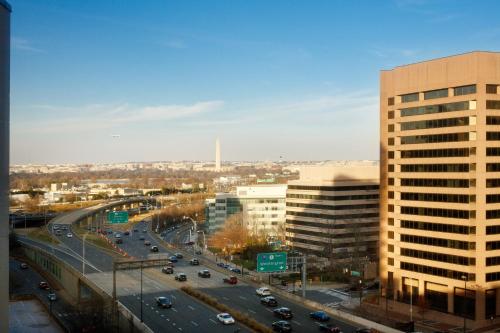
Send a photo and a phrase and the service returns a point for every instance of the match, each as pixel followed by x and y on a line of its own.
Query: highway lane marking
pixel 189 306
pixel 213 321
pixel 180 329
pixel 243 298
pixel 269 310
pixel 195 324
pixel 251 311
pixel 225 298
pixel 296 322
pixel 174 310
pixel 163 315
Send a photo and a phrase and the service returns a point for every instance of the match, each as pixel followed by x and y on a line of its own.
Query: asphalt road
pixel 241 297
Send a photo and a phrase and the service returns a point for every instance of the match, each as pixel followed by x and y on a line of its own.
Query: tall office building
pixel 217 155
pixel 5 10
pixel 332 212
pixel 440 185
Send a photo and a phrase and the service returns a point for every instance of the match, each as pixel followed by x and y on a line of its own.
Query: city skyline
pixel 90 86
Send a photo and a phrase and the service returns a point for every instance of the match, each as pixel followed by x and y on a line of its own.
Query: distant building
pixel 262 208
pixel 332 212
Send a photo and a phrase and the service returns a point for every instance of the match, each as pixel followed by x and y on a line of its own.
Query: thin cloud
pixel 22 44
pixel 175 44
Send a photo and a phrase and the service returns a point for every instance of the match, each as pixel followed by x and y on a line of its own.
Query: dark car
pixel 126 233
pixel 147 243
pixel 204 273
pixel 173 258
pixel 283 313
pixel 136 230
pixel 118 241
pixel 319 315
pixel 220 264
pixel 230 280
pixel 167 270
pixel 154 248
pixel 329 328
pixel 181 277
pixel 198 252
pixel 269 301
pixel 23 265
pixel 282 326
pixel 235 270
pixel 364 330
pixel 194 262
pixel 43 285
pixel 179 255
pixel 163 302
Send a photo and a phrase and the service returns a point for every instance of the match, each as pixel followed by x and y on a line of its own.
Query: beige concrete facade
pixel 439 184
pixel 332 213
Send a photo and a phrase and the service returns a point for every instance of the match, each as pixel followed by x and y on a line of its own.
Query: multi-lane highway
pixel 187 314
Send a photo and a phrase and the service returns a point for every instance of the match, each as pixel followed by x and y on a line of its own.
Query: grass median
pixel 238 316
pixel 43 235
pixel 92 238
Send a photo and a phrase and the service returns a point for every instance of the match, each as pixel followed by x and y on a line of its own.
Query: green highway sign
pixel 118 217
pixel 271 262
pixel 355 273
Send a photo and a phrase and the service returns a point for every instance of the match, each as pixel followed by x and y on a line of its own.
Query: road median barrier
pixel 241 318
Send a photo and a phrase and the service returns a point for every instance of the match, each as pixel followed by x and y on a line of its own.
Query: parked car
pixel 43 285
pixel 204 273
pixel 329 328
pixel 23 265
pixel 220 264
pixel 263 291
pixel 58 232
pixel 194 262
pixel 198 252
pixel 231 280
pixel 282 326
pixel 181 277
pixel 52 297
pixel 173 258
pixel 147 243
pixel 269 301
pixel 167 270
pixel 154 248
pixel 225 318
pixel 319 315
pixel 69 235
pixel 283 313
pixel 164 302
pixel 179 255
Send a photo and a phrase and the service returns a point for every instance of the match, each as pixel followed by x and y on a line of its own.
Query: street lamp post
pixel 360 292
pixel 83 252
pixel 464 277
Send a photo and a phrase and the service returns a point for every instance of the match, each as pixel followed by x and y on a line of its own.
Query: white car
pixel 263 291
pixel 225 318
pixel 69 235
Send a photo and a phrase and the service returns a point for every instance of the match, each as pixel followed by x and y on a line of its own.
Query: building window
pixel 390 181
pixel 390 221
pixel 390 194
pixel 390 154
pixel 390 248
pixel 435 182
pixel 449 258
pixel 438 227
pixel 491 88
pixel 390 261
pixel 390 101
pixel 409 98
pixel 440 212
pixel 436 123
pixel 434 138
pixel 493 105
pixel 436 271
pixel 492 120
pixel 439 108
pixel 493 182
pixel 390 141
pixel 464 90
pixel 390 208
pixel 435 167
pixel 436 93
pixel 493 136
pixel 390 234
pixel 390 128
pixel 437 197
pixel 426 153
pixel 390 167
pixel 492 151
pixel 390 115
pixel 439 242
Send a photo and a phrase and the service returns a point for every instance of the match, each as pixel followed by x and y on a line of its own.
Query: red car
pixel 43 285
pixel 231 280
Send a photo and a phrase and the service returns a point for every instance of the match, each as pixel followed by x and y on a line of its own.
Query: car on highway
pixel 319 315
pixel 23 265
pixel 147 243
pixel 167 270
pixel 263 291
pixel 189 243
pixel 58 232
pixel 282 326
pixel 194 262
pixel 69 235
pixel 329 328
pixel 220 264
pixel 181 277
pixel 55 227
pixel 269 301
pixel 118 235
pixel 52 297
pixel 198 252
pixel 205 273
pixel 230 280
pixel 118 241
pixel 225 318
pixel 64 227
pixel 144 230
pixel 43 285
pixel 163 302
pixel 235 270
pixel 283 313
pixel 126 233
pixel 136 230
pixel 173 259
pixel 179 255
pixel 154 248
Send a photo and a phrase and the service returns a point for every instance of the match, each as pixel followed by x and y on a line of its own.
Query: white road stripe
pixel 189 306
pixel 296 322
pixel 243 298
pixel 213 321
pixel 225 298
pixel 174 310
pixel 195 324
pixel 251 311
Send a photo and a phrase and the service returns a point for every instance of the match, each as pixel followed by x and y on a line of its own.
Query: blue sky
pixel 297 79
